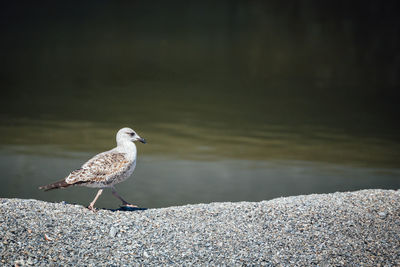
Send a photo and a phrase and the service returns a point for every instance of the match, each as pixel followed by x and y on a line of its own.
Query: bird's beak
pixel 143 140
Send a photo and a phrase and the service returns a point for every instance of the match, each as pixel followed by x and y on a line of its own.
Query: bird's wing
pixel 100 168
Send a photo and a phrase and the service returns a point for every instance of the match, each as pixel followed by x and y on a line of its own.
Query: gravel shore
pixel 345 229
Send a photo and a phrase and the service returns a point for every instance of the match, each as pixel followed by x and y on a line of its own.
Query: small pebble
pixel 47 237
pixel 382 215
pixel 113 231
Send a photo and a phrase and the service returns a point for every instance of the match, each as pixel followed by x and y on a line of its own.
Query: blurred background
pixel 239 100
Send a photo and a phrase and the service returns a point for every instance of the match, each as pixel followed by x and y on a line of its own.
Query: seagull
pixel 105 169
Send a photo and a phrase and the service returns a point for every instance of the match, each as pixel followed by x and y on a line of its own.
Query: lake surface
pixel 238 102
pixel 189 163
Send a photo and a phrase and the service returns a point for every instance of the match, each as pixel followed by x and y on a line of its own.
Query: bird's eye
pixel 132 134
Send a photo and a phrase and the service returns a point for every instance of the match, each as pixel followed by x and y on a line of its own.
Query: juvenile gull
pixel 105 169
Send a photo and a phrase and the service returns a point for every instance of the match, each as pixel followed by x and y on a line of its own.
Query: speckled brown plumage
pixel 101 169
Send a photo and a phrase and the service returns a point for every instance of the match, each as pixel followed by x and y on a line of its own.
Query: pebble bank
pixel 341 229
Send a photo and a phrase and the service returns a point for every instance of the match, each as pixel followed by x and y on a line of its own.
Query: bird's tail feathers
pixel 59 184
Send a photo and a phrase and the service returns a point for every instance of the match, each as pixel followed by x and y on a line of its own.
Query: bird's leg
pixel 91 205
pixel 124 203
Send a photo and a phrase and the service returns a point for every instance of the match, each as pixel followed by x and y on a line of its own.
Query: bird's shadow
pixel 123 208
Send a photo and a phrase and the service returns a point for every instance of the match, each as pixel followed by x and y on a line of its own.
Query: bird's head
pixel 127 134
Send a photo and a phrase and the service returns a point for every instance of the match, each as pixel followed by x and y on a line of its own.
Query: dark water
pixel 238 100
